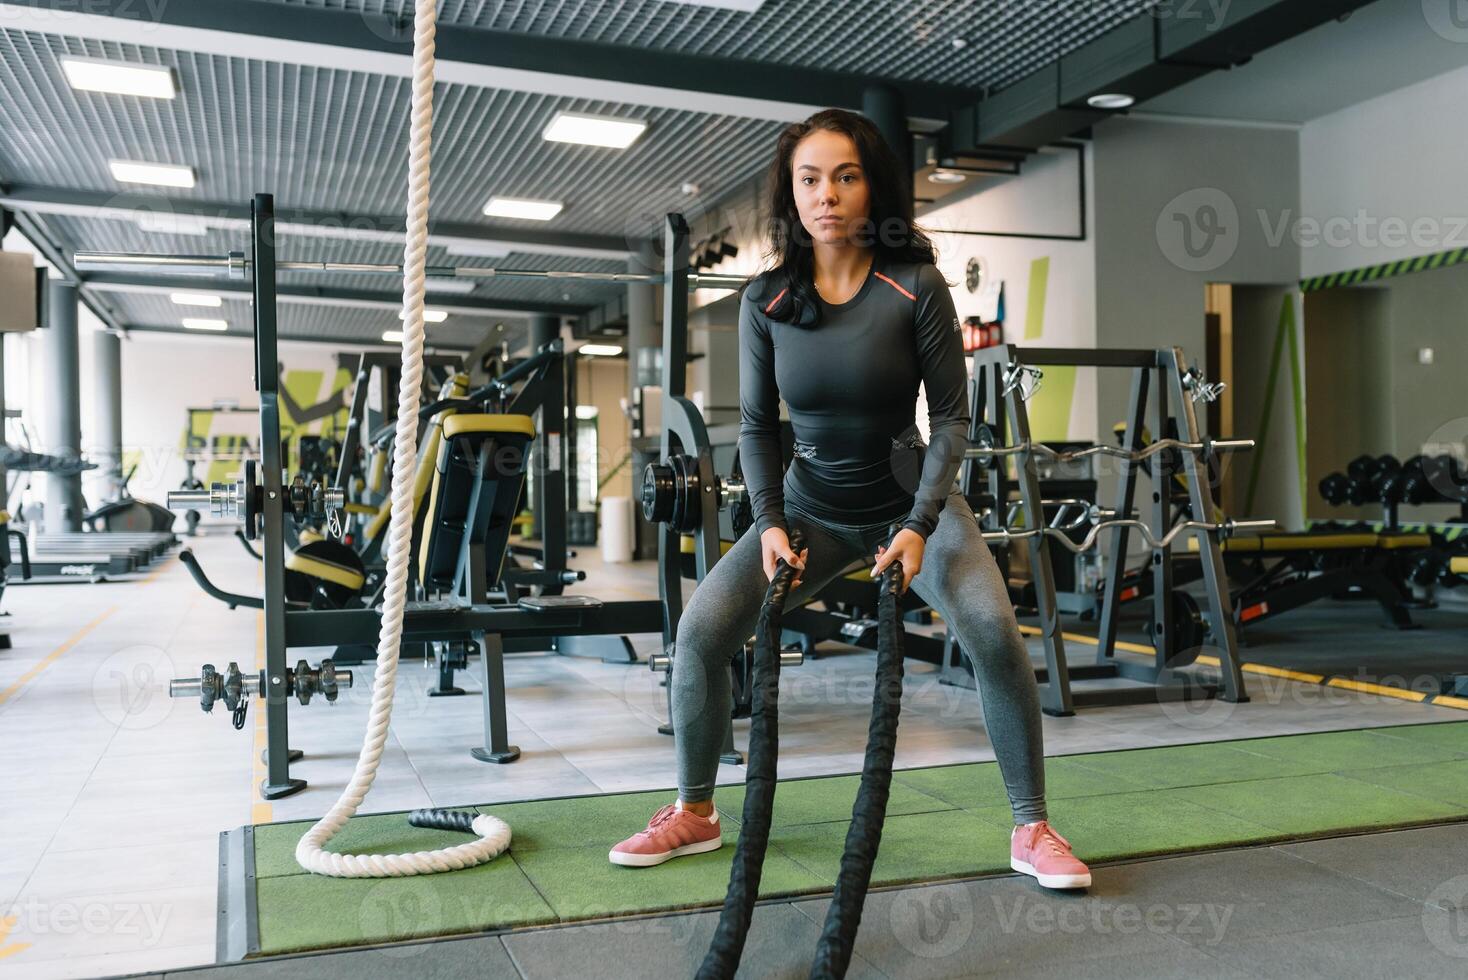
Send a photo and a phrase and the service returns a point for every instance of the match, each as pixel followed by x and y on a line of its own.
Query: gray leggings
pixel 959 579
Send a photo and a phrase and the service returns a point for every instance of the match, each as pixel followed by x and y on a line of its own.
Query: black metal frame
pixel 495 629
pixel 684 432
pixel 1005 410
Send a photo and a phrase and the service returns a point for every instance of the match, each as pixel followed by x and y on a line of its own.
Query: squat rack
pixel 998 403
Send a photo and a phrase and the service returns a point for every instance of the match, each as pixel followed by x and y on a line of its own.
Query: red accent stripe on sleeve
pixel 895 286
pixel 778 297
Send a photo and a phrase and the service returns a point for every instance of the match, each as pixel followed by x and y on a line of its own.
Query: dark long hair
pixel 890 228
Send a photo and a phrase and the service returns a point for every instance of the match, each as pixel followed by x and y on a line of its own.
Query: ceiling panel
pixel 908 39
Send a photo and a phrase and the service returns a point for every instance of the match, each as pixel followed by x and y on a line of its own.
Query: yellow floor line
pixel 1291 675
pixel 51 657
pixel 1380 689
pixel 260 809
pixel 162 566
pixel 1091 641
pixel 10 949
pixel 1207 660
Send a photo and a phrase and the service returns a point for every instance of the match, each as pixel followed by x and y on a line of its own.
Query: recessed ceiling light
pixel 162 223
pixel 478 250
pixel 158 174
pixel 119 78
pixel 393 336
pixel 191 323
pixel 1111 101
pixel 447 285
pixel 946 177
pixel 744 6
pixel 520 207
pixel 196 299
pixel 578 127
pixel 429 316
pixel 599 350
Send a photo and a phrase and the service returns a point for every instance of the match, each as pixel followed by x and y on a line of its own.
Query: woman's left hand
pixel 907 547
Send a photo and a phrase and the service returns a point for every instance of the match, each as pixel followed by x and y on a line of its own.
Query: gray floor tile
pixel 1253 892
pixel 1182 962
pixel 966 928
pixel 1419 864
pixel 1424 946
pixel 781 942
pixel 445 960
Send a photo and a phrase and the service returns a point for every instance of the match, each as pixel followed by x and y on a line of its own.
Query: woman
pixel 851 319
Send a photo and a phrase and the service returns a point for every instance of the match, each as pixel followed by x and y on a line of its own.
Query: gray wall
pixel 1150 179
pixel 1149 291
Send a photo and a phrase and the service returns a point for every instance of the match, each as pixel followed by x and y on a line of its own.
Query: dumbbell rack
pixel 998 404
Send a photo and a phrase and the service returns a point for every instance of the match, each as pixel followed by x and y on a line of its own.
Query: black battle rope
pixel 843 916
pixel 834 952
pixel 724 952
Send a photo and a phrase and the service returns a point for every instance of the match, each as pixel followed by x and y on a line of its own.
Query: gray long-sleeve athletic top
pixel 851 384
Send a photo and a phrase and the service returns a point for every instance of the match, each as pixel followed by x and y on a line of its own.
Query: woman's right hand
pixel 775 545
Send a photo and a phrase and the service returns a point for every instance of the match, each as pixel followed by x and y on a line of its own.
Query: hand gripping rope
pixel 833 954
pixel 494 834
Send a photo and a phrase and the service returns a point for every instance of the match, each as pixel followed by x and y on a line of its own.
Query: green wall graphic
pixel 1051 406
pixel 304 410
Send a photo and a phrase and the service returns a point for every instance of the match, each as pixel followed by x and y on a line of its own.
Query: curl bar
pixel 234 265
pixel 1227 529
pixel 986 450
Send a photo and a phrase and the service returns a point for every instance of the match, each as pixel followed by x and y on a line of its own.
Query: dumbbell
pixel 1446 479
pixel 1335 488
pixel 1382 485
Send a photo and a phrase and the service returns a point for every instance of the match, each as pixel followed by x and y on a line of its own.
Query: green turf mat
pixel 945 822
pixel 824 799
pixel 543 824
pixel 1452 736
pixel 300 912
pixel 379 833
pixel 974 786
pixel 1194 765
pixel 580 883
pixel 1338 751
pixel 1162 821
pixel 1302 805
pixel 1446 782
pixel 915 847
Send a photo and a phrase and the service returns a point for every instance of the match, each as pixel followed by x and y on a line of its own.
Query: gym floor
pixel 111 847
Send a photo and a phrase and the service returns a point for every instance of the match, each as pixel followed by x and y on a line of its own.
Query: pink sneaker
pixel 1036 849
pixel 671 833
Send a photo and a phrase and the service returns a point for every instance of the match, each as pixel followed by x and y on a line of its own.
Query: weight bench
pixel 1286 571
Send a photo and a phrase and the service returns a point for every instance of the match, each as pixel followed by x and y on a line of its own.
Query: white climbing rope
pixel 494 834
